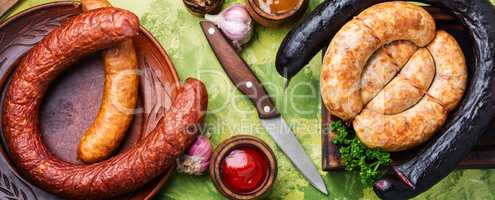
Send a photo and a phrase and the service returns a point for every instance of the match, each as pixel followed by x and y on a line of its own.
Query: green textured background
pixel 230 113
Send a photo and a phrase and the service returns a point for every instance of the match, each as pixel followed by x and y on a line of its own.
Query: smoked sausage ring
pixel 91 31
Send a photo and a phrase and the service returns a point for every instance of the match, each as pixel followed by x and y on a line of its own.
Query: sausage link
pixel 84 34
pixel 399 20
pixel 419 72
pixel 382 67
pixel 401 131
pixel 451 79
pixel 405 90
pixel 401 51
pixel 341 70
pixel 419 123
pixel 396 97
pixel 358 40
pixel 119 99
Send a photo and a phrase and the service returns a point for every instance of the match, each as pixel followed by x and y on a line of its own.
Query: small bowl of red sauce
pixel 243 167
pixel 275 13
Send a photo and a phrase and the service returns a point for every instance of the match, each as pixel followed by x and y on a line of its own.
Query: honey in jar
pixel 277 7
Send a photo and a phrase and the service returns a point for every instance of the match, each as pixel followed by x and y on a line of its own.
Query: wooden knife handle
pixel 238 71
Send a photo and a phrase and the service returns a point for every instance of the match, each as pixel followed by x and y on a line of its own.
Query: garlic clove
pixel 236 24
pixel 201 148
pixel 197 159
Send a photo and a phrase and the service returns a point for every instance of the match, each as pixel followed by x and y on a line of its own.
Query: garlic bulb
pixel 236 24
pixel 197 159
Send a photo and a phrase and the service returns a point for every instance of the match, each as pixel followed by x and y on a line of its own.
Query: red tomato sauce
pixel 244 169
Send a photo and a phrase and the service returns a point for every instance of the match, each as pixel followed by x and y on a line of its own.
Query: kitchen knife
pixel 245 80
pixel 5 5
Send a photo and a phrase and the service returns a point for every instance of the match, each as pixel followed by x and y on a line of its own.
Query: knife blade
pixel 5 6
pixel 246 82
pixel 287 141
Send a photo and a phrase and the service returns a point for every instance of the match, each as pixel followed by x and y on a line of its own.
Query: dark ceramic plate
pixel 73 100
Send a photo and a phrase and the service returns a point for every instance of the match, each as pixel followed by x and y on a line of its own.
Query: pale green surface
pixel 180 34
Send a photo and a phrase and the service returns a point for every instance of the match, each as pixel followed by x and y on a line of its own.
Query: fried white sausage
pixel 401 131
pixel 408 87
pixel 399 20
pixel 341 70
pixel 450 82
pixel 351 47
pixel 383 65
pixel 419 123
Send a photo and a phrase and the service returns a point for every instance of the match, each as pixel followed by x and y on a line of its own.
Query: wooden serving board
pixel 73 99
pixel 481 156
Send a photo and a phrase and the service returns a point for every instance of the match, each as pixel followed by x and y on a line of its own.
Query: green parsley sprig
pixel 356 156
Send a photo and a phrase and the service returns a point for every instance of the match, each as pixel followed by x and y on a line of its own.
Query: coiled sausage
pixel 410 108
pixel 86 33
pixel 405 130
pixel 358 39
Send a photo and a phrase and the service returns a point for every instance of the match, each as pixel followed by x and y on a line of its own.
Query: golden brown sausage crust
pixel 341 71
pixel 401 131
pixel 358 39
pixel 383 65
pixel 451 79
pixel 120 174
pixel 119 99
pixel 405 130
pixel 407 88
pixel 399 20
pixel 410 108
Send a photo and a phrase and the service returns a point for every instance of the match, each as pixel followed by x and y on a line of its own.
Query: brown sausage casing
pixel 120 174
